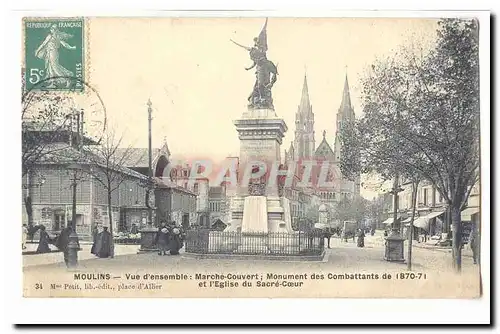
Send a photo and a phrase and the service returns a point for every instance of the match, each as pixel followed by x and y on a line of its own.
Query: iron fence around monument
pixel 272 243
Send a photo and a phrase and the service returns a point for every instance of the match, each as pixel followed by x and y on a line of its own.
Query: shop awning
pixel 434 214
pixel 467 213
pixel 423 222
pixel 389 221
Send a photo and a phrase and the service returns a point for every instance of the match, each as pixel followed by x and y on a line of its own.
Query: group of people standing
pixel 61 241
pixel 169 238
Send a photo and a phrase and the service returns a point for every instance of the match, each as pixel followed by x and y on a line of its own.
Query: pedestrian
pixel 95 233
pixel 24 236
pixel 175 241
pixel 328 234
pixel 361 238
pixel 162 239
pixel 103 244
pixel 385 234
pixel 63 241
pixel 43 243
pixel 474 244
pixel 134 229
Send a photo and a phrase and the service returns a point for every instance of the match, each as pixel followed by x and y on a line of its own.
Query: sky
pixel 197 83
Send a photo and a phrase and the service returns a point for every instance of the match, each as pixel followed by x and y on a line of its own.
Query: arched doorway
pixel 160 167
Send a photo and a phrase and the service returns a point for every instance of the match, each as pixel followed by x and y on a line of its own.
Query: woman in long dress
pixel 162 239
pixel 361 238
pixel 49 52
pixel 175 242
pixel 43 244
pixel 103 244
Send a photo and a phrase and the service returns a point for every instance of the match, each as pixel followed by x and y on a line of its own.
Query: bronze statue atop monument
pixel 265 72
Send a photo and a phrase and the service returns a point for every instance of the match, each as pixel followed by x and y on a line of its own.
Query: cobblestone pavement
pixel 346 271
pixel 57 257
pixel 341 256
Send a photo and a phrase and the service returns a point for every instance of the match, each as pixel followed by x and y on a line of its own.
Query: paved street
pixel 345 256
pixel 57 257
pixel 433 268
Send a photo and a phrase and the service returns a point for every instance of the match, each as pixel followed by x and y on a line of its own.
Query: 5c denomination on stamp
pixel 54 52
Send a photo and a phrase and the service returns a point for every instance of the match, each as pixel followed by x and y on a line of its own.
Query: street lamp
pixel 73 244
pixel 394 245
pixel 148 234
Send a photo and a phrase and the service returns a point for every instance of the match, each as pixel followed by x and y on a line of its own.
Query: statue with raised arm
pixel 265 72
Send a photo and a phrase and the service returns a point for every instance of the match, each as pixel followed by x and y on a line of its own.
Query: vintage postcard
pixel 252 157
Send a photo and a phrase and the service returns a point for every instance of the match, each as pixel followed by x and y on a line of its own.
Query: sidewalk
pixel 466 251
pixel 57 257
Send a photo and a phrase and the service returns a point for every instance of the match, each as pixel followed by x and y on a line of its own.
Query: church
pixel 303 147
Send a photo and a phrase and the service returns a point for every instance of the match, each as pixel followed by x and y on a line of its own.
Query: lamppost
pixel 148 234
pixel 394 245
pixel 73 244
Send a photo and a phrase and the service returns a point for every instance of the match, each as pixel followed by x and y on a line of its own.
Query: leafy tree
pixel 347 209
pixel 421 119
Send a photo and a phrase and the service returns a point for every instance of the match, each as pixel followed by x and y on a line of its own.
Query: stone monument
pixel 256 208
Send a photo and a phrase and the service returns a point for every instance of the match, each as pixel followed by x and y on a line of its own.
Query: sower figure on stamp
pixel 49 52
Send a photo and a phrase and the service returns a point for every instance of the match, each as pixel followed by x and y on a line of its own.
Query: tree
pixel 377 210
pixel 421 119
pixel 107 165
pixel 347 209
pixel 312 213
pixel 45 122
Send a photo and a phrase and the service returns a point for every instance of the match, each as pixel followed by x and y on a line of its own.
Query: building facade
pixel 52 197
pixel 431 209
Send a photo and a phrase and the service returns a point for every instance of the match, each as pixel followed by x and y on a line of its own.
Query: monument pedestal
pixel 261 133
pixel 394 248
pixel 148 238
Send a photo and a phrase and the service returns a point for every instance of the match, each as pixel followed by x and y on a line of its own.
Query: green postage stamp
pixel 54 54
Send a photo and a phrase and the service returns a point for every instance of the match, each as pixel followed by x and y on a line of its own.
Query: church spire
pixel 305 104
pixel 346 96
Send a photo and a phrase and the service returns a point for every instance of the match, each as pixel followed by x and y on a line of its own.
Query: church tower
pixel 304 143
pixel 345 114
